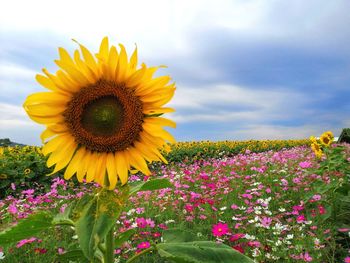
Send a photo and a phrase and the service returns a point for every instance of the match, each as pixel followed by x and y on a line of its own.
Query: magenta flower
pixel 25 241
pixel 220 229
pixel 143 245
pixel 266 221
pixel 300 218
pixel 141 222
pixel 236 237
pixel 307 257
pixel 305 164
pixel 347 260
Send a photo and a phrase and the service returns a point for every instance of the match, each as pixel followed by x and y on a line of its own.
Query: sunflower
pixel 102 115
pixel 327 138
pixel 313 139
pixel 317 149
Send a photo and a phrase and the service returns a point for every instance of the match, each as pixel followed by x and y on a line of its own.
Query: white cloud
pixel 249 104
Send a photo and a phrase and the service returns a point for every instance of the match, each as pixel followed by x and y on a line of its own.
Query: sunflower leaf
pixel 150 185
pixel 195 252
pixel 97 219
pixel 26 228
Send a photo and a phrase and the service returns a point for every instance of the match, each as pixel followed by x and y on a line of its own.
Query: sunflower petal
pixel 61 157
pixel 122 67
pixel 73 166
pixel 137 161
pixel 112 171
pixel 133 60
pixel 91 171
pixel 122 167
pixel 56 143
pixel 160 121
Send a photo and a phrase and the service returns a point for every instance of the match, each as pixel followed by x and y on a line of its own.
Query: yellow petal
pixel 88 57
pixel 44 110
pixel 88 73
pixel 61 157
pixel 68 84
pixel 158 95
pixel 56 143
pixel 152 85
pixel 112 171
pixel 65 57
pixel 47 133
pixel 112 63
pixel 104 47
pixel 73 72
pixel 133 60
pixel 46 120
pixel 122 167
pixel 91 171
pixel 49 98
pixel 73 166
pixel 137 161
pixel 122 67
pixel 101 169
pixel 46 82
pixel 160 121
pixel 81 171
pixel 158 132
pixel 136 78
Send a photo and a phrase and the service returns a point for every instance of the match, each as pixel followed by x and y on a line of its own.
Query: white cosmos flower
pixel 2 256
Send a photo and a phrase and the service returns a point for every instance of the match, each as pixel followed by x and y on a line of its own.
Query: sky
pixel 244 69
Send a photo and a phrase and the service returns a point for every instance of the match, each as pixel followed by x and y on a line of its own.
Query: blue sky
pixel 244 69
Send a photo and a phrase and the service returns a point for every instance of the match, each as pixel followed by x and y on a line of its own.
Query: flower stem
pixel 136 256
pixel 109 253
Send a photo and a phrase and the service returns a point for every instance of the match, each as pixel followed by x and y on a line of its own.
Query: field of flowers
pixel 272 202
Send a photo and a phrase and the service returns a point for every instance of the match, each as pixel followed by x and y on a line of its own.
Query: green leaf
pixel 123 237
pixel 73 255
pixel 177 235
pixel 98 218
pixel 197 251
pixel 26 228
pixel 150 185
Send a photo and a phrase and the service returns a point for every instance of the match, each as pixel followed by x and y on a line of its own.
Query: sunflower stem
pixel 109 252
pixel 136 256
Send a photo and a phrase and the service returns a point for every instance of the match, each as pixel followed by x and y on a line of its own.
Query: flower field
pixel 272 201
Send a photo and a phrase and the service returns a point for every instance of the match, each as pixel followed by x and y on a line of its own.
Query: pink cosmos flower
pixel 316 197
pixel 141 222
pixel 300 218
pixel 307 257
pixel 305 164
pixel 25 241
pixel 12 209
pixel 143 245
pixel 60 250
pixel 347 260
pixel 266 221
pixel 220 229
pixel 236 237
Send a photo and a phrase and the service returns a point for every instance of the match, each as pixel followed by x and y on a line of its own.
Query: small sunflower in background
pixel 327 138
pixel 102 114
pixel 317 149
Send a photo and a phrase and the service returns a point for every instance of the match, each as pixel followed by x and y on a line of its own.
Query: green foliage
pixel 200 251
pixel 97 218
pixel 26 228
pixel 335 192
pixel 25 167
pixel 191 151
pixel 150 185
pixel 75 255
pixel 121 238
pixel 177 235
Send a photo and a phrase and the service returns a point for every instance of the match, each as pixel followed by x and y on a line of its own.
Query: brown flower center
pixel 105 116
